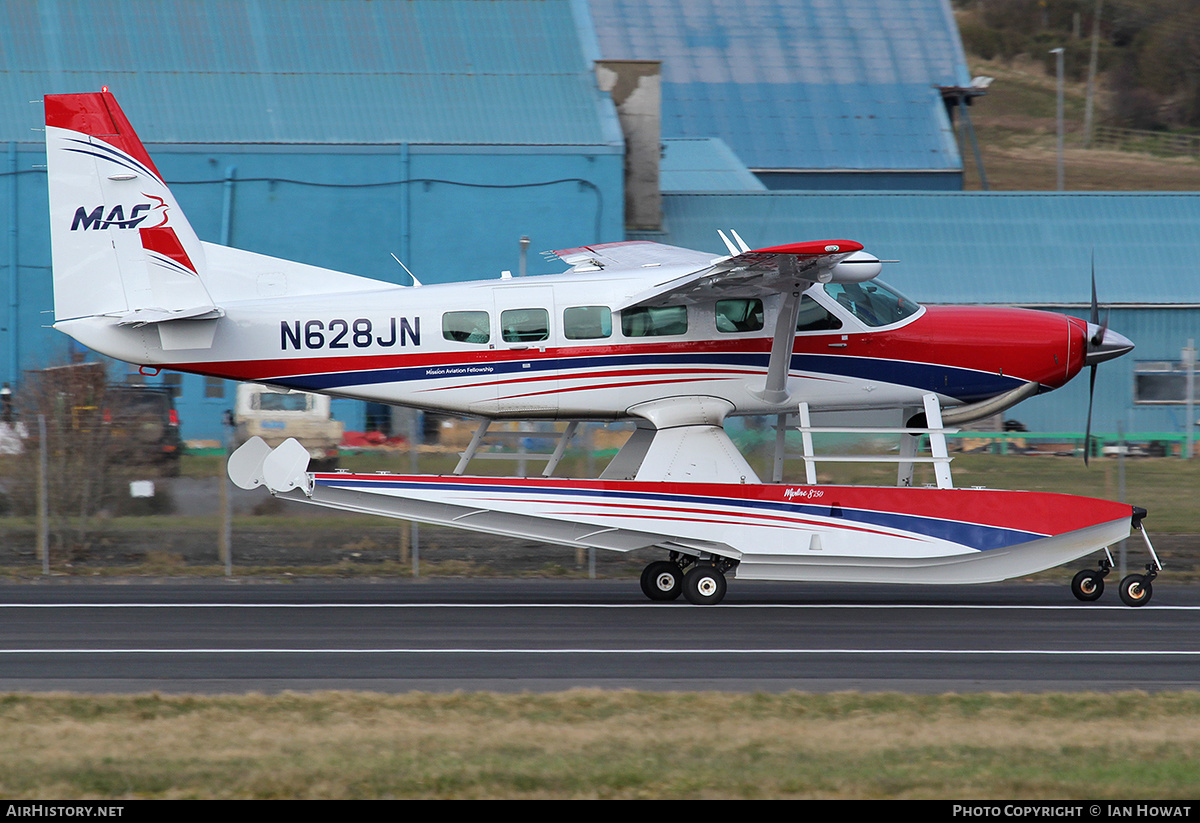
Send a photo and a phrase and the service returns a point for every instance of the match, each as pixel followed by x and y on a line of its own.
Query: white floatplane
pixel 674 339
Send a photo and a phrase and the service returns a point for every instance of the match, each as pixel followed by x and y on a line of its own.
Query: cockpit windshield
pixel 872 302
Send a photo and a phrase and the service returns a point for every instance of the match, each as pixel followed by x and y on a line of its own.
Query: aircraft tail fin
pixel 121 245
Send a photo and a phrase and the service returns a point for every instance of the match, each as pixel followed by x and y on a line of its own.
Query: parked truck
pixel 277 414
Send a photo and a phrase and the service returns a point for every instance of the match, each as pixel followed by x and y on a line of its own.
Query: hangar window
pixel 1162 382
pixel 587 322
pixel 525 325
pixel 654 321
pixel 466 326
pixel 174 381
pixel 214 387
pixel 739 315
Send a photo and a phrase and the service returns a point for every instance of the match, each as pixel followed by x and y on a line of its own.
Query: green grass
pixel 592 744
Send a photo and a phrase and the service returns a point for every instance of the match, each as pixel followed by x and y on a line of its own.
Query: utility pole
pixel 1092 66
pixel 1189 362
pixel 224 492
pixel 43 502
pixel 1058 53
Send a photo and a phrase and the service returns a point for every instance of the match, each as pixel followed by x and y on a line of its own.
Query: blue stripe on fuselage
pixel 966 385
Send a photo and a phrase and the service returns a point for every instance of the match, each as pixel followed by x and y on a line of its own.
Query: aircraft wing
pixel 770 270
pixel 631 254
pixel 786 270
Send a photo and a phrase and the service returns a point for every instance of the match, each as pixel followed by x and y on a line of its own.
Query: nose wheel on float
pixel 701 582
pixel 1135 589
pixel 1088 584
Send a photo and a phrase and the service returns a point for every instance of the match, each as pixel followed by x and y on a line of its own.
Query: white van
pixel 277 414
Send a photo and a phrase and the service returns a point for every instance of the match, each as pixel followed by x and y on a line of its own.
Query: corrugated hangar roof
pixel 800 84
pixel 703 164
pixel 309 71
pixel 1020 248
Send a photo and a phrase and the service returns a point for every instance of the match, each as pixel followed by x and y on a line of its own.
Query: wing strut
pixel 466 456
pixel 776 391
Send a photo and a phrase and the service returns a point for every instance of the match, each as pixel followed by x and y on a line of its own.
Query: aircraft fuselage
pixel 462 348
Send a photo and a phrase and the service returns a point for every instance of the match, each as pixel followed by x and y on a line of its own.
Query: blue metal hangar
pixel 853 94
pixel 335 134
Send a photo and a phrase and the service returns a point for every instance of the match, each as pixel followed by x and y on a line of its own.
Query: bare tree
pixel 71 399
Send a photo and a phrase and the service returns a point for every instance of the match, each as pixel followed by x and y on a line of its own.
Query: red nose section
pixel 1037 346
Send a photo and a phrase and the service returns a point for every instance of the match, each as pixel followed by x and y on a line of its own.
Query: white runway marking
pixel 672 651
pixel 717 609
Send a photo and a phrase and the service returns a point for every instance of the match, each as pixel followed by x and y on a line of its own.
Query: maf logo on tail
pixel 95 219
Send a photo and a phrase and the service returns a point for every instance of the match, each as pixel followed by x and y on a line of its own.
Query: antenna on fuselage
pixel 734 250
pixel 415 282
pixel 728 244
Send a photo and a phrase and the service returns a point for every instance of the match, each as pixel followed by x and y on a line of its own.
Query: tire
pixel 1087 586
pixel 704 585
pixel 662 580
pixel 1136 590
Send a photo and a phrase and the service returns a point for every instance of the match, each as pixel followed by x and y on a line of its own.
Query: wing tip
pixel 814 248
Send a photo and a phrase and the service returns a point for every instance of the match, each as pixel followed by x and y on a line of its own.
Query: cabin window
pixel 587 322
pixel 815 317
pixel 873 303
pixel 739 315
pixel 654 321
pixel 525 325
pixel 466 326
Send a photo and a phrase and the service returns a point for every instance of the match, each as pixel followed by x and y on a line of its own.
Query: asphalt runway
pixel 546 635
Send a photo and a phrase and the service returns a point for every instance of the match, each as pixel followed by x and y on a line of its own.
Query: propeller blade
pixel 1095 316
pixel 1087 434
pixel 1102 345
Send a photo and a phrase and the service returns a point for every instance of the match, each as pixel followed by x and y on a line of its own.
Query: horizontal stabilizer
pixel 142 317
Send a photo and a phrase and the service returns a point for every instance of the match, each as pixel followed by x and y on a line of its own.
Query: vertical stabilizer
pixel 121 245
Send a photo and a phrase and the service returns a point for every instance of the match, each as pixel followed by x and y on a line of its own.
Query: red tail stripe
pixel 163 240
pixel 97 114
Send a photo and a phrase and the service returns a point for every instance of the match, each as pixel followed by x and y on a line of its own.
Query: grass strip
pixel 598 744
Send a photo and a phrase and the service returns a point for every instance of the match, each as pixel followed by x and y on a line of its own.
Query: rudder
pixel 121 245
